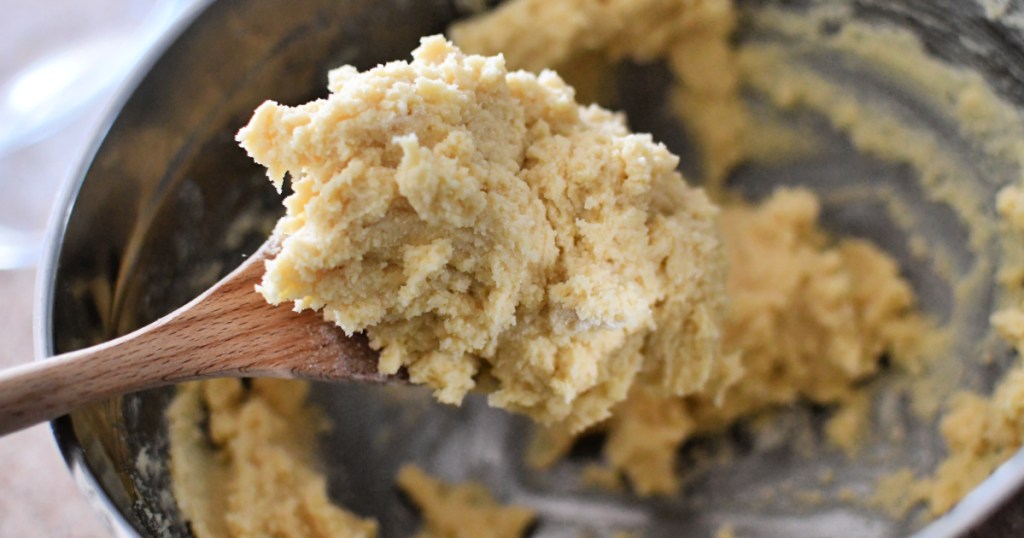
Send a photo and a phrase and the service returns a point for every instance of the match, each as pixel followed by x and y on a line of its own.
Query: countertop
pixel 37 495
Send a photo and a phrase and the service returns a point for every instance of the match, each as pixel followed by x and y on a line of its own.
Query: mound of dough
pixel 807 320
pixel 486 231
pixel 243 463
pixel 693 37
pixel 466 510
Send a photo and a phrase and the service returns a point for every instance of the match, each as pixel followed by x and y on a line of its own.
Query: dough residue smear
pixel 982 432
pixel 486 231
pixel 465 510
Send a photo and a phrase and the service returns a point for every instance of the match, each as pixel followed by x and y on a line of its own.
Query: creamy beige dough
pixel 486 231
pixel 464 510
pixel 807 319
pixel 243 463
pixel 693 36
pixel 809 316
pixel 981 432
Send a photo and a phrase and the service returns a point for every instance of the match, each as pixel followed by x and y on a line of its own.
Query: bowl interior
pixel 170 204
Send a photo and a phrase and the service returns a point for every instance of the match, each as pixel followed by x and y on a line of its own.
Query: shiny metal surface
pixel 169 203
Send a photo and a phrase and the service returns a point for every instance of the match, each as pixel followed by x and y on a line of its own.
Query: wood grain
pixel 228 331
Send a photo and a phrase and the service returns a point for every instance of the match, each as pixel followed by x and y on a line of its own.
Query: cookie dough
pixel 243 463
pixel 807 320
pixel 980 431
pixel 461 510
pixel 692 36
pixel 486 231
pixel 809 316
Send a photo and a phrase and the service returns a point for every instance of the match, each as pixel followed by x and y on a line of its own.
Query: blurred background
pixel 63 63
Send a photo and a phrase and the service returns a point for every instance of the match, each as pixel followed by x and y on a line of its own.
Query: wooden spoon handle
pixel 44 390
pixel 228 331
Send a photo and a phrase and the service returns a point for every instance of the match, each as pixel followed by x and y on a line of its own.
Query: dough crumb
pixel 461 510
pixel 601 477
pixel 486 231
pixel 726 531
pixel 848 426
pixel 896 493
pixel 1010 204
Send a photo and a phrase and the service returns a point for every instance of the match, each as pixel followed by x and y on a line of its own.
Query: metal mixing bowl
pixel 168 203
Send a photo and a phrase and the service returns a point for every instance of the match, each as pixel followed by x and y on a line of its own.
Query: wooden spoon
pixel 228 331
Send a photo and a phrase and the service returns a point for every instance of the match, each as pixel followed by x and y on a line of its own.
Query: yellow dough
pixel 243 463
pixel 460 510
pixel 806 320
pixel 485 230
pixel 692 35
pixel 981 433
